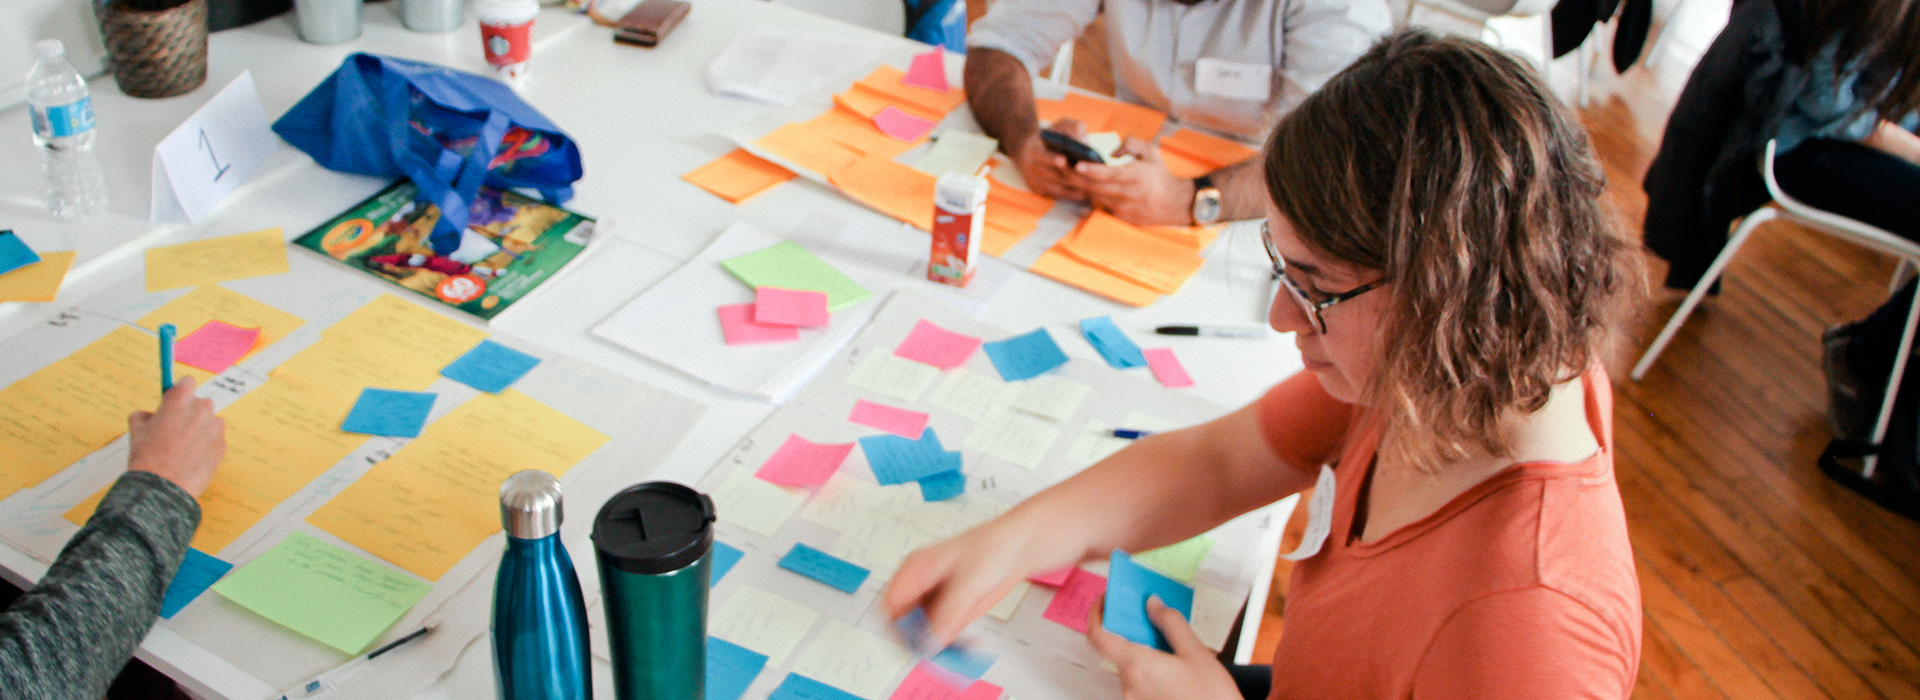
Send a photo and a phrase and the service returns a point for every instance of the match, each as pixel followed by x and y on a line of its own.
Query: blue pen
pixel 1130 434
pixel 166 357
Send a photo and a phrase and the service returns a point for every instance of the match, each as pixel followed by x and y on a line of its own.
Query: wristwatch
pixel 1206 201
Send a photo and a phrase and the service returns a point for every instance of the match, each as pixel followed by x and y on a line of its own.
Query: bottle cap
pixel 49 48
pixel 530 504
pixel 657 527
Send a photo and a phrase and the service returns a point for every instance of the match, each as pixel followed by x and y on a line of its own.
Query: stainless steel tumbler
pixel 432 15
pixel 654 544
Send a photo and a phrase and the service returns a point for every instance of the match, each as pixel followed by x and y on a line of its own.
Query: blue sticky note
pixel 198 571
pixel 942 486
pixel 897 460
pixel 1128 586
pixel 1025 356
pixel 1115 346
pixel 798 687
pixel 731 668
pixel 390 413
pixel 14 253
pixel 823 567
pixel 916 632
pixel 724 557
pixel 966 661
pixel 490 367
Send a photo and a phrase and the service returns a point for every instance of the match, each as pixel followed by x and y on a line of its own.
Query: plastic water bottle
pixel 62 115
pixel 539 615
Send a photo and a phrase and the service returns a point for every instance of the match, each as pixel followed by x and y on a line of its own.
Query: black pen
pixel 1214 331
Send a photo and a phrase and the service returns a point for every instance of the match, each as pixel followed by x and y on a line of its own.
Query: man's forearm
pixel 1000 93
pixel 1243 190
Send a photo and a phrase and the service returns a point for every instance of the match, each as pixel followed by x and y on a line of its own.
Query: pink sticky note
pixel 899 421
pixel 901 125
pixel 982 690
pixel 789 307
pixel 800 462
pixel 937 346
pixel 1075 599
pixel 928 70
pixel 1166 367
pixel 1055 578
pixel 928 681
pixel 736 322
pixel 215 346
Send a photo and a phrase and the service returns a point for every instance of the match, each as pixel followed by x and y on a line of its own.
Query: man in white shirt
pixel 1231 67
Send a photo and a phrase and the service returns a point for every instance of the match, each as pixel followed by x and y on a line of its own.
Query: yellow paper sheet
pixel 896 190
pixel 800 145
pixel 213 260
pixel 738 176
pixel 74 406
pixel 1063 268
pixel 887 80
pixel 216 303
pixel 1147 259
pixel 39 281
pixel 436 499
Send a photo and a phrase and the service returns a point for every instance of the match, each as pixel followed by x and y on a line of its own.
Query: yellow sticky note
pixel 216 303
pixel 763 622
pixel 436 499
pixel 39 281
pixel 854 660
pixel 213 260
pixel 75 406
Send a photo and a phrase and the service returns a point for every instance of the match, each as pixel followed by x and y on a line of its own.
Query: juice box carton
pixel 959 214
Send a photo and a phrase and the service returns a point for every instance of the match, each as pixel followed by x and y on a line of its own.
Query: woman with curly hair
pixel 1449 277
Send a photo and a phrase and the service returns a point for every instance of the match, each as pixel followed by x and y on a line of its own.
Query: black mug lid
pixel 656 527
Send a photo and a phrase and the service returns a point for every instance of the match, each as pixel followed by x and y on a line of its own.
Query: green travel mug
pixel 654 544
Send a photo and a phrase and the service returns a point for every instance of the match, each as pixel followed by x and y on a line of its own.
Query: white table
pixel 642 117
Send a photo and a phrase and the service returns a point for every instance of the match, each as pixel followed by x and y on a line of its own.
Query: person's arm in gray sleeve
pixel 71 634
pixel 1320 38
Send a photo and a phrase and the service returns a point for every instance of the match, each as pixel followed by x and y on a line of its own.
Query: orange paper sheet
pixel 867 102
pixel 1189 149
pixel 996 240
pixel 887 80
pixel 801 144
pixel 1092 112
pixel 1145 258
pixel 858 133
pixel 738 176
pixel 1064 268
pixel 1134 120
pixel 894 189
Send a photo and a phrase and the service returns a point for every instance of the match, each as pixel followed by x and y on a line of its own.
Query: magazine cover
pixel 512 245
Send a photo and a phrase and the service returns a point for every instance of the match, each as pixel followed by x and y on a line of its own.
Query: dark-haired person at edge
pixel 1843 129
pixel 1259 57
pixel 1449 278
pixel 69 636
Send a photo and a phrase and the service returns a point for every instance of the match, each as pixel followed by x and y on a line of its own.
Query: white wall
pixel 23 22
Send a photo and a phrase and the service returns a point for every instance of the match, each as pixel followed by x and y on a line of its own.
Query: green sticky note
pixel 330 594
pixel 1180 560
pixel 789 266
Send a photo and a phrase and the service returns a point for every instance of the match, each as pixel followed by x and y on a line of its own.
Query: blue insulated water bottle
pixel 539 618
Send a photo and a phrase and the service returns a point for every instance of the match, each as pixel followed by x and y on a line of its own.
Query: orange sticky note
pixel 1192 146
pixel 1134 120
pixel 1123 249
pixel 738 176
pixel 857 133
pixel 866 102
pixel 896 190
pixel 803 146
pixel 1094 113
pixel 888 81
pixel 1064 268
pixel 996 240
pixel 39 281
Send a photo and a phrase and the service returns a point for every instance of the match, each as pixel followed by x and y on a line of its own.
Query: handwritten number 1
pixel 220 171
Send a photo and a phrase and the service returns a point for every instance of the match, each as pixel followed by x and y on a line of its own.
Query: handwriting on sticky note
pixel 825 568
pixel 892 376
pixel 1114 346
pixel 1075 599
pixel 969 394
pixel 390 413
pixel 802 462
pixel 490 367
pixel 899 421
pixel 1025 356
pixel 900 125
pixel 1167 368
pixel 1015 437
pixel 928 70
pixel 217 260
pixel 754 504
pixel 790 307
pixel 38 281
pixel 1046 395
pixel 789 266
pixel 943 486
pixel 74 406
pixel 853 660
pixel 215 346
pixel 330 594
pixel 936 346
pixel 1129 585
pixel 761 621
pixel 196 573
pixel 897 460
pixel 731 669
pixel 724 557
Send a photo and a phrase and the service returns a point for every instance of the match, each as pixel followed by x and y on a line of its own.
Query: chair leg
pixel 1893 383
pixel 1753 221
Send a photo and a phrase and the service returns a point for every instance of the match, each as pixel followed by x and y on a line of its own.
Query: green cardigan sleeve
pixel 71 634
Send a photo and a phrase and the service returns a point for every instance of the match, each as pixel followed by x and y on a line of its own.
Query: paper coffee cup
pixel 506 35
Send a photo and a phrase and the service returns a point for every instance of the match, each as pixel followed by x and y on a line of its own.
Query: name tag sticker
pixel 1234 81
pixel 1319 518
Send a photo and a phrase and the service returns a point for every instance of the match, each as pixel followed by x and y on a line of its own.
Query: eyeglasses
pixel 1315 309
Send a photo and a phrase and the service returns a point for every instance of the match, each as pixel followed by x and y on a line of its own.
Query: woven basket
pixel 157 54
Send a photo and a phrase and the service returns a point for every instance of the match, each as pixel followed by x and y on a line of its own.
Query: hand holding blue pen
pixel 166 356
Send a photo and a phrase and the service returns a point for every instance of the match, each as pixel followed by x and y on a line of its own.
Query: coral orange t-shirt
pixel 1521 587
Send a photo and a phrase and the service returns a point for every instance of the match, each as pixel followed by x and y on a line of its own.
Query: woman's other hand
pixel 1191 672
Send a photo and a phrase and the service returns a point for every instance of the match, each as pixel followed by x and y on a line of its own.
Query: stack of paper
pixel 777 66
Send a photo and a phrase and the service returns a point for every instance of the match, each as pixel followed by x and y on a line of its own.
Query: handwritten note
pixel 738 327
pixel 1046 395
pixel 1015 437
pixel 802 462
pixel 38 281
pixel 1167 368
pixel 969 394
pixel 825 568
pixel 323 591
pixel 1129 585
pixel 731 669
pixel 724 557
pixel 1075 599
pixel 220 259
pixel 14 253
pixel 798 687
pixel 490 367
pixel 215 346
pixel 897 460
pixel 893 377
pixel 437 498
pixel 789 266
pixel 1025 356
pixel 755 505
pixel 899 421
pixel 790 307
pixel 936 346
pixel 900 125
pixel 210 153
pixel 75 406
pixel 853 660
pixel 209 303
pixel 1114 346
pixel 763 622
pixel 928 70
pixel 1180 560
pixel 943 486
pixel 390 413
pixel 196 573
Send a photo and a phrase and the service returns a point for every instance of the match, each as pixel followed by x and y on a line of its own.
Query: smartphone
pixel 1068 146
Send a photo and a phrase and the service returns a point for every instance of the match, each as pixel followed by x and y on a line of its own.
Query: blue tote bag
pixel 448 131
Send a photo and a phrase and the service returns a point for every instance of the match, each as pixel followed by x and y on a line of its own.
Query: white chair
pixel 1842 227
